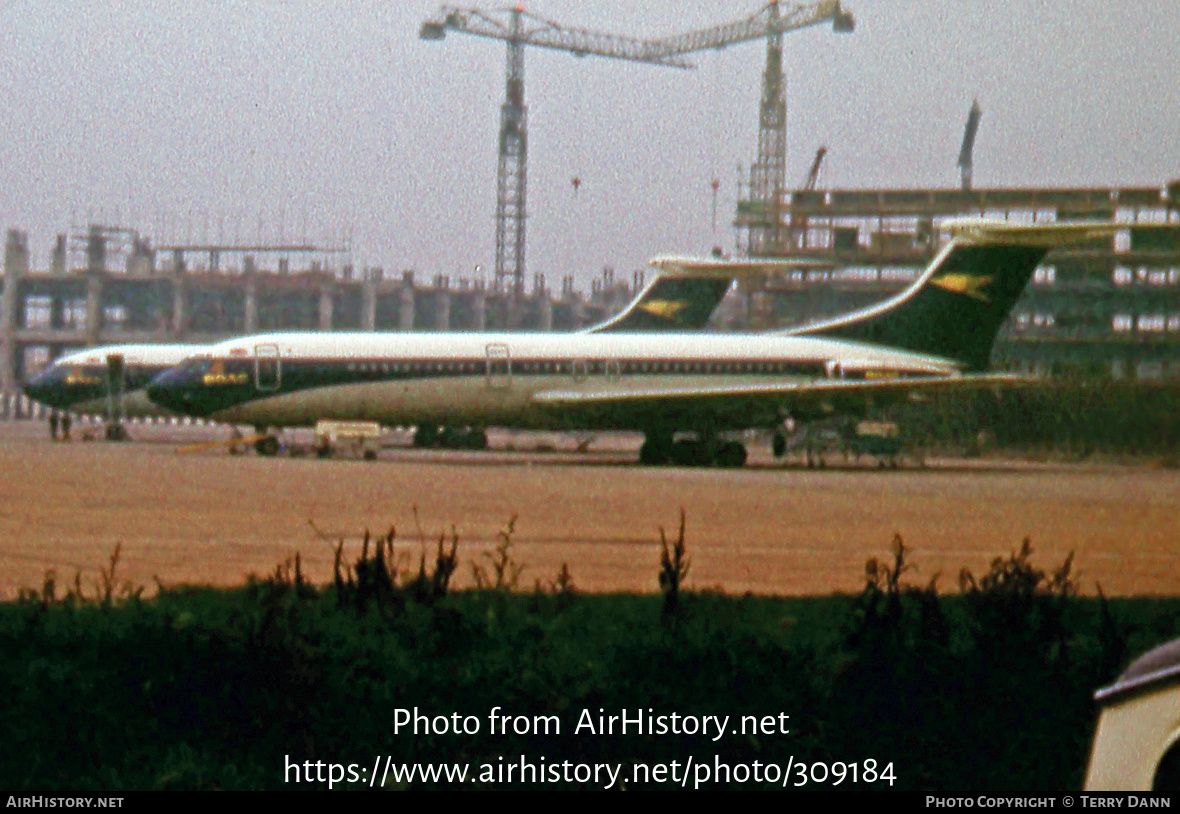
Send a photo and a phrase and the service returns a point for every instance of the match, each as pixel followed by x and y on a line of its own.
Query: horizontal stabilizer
pixel 725 267
pixel 1047 235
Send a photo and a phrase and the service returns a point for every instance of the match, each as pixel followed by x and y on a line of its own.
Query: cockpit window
pixel 197 365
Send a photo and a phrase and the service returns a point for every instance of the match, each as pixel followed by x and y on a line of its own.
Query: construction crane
pixel 768 173
pixel 797 226
pixel 813 174
pixel 519 28
pixel 965 152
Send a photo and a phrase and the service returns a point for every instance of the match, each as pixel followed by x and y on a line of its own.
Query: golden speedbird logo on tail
pixel 966 284
pixel 668 309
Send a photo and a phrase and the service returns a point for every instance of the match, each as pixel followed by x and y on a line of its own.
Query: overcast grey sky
pixel 239 120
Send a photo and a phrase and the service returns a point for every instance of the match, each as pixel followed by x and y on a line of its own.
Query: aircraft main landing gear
pixel 658 450
pixel 429 435
pixel 778 445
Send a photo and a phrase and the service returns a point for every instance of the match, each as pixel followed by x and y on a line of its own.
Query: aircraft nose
pixel 45 387
pixel 172 390
pixel 165 391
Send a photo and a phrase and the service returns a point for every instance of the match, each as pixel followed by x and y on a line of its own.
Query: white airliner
pixel 110 380
pixel 682 390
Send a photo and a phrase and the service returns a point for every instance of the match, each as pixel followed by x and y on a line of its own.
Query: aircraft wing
pixel 751 405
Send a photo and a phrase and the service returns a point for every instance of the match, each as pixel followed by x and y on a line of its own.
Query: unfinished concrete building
pixel 120 289
pixel 1107 306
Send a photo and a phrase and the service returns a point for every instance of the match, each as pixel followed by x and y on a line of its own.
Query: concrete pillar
pixel 16 266
pixel 179 305
pixel 93 306
pixel 405 311
pixel 479 310
pixel 369 306
pixel 250 309
pixel 577 312
pixel 326 308
pixel 442 309
pixel 96 251
pixel 57 265
pixel 513 311
pixel 142 260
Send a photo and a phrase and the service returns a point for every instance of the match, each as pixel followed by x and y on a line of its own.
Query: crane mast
pixel 518 28
pixel 512 168
pixel 768 172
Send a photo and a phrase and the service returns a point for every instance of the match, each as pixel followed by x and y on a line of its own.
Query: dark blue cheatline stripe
pixel 214 385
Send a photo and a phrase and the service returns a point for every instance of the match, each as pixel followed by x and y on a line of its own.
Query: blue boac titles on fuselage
pixel 934 337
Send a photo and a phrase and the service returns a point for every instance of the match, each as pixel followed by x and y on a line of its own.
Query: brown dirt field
pixel 208 517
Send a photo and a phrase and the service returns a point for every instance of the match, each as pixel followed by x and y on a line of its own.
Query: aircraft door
pixel 499 369
pixel 268 370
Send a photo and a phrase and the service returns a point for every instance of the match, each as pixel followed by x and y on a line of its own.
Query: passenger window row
pixel 581 367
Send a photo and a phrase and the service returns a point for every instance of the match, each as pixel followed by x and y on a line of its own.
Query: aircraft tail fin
pixel 684 294
pixel 956 307
pixel 669 304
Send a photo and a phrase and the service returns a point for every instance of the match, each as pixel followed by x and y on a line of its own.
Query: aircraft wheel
pixel 116 432
pixel 732 455
pixel 452 438
pixel 426 435
pixel 267 446
pixel 779 445
pixel 654 452
pixel 682 453
pixel 323 452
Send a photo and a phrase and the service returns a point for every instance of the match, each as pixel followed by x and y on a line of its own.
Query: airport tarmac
pixel 210 517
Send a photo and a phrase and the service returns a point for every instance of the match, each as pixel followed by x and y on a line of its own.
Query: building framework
pixel 1106 306
pixel 237 290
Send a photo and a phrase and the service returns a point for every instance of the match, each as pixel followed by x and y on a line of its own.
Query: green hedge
pixel 986 689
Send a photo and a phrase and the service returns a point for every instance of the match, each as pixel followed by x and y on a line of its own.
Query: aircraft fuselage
pixel 530 381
